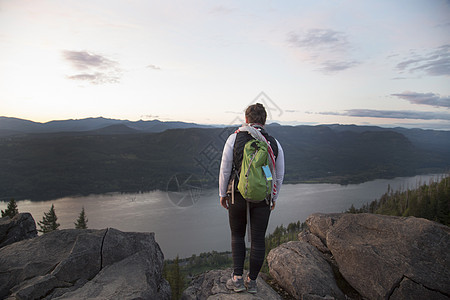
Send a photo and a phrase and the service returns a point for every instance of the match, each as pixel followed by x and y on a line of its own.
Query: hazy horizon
pixel 291 123
pixel 382 63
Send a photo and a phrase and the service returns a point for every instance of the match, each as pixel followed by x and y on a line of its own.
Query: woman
pixel 259 212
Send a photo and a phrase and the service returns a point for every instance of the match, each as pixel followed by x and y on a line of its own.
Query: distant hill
pixel 13 126
pixel 436 139
pixel 113 129
pixel 120 158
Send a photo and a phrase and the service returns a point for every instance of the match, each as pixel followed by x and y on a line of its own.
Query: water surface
pixel 204 226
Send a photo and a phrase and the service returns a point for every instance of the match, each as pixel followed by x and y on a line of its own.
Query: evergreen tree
pixel 173 274
pixel 48 222
pixel 430 201
pixel 81 221
pixel 11 210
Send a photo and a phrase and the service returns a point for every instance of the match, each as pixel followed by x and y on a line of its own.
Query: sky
pixel 381 62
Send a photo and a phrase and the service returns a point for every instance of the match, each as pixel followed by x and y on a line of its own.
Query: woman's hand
pixel 224 202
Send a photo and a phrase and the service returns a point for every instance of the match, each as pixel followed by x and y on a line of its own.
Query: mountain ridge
pixel 12 126
pixel 117 158
pixel 126 156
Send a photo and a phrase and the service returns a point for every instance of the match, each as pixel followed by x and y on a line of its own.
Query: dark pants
pixel 259 218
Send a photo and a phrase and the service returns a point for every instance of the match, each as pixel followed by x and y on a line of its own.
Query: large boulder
pixel 79 264
pixel 212 286
pixel 303 271
pixel 22 226
pixel 385 257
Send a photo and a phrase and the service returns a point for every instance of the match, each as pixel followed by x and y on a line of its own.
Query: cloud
pixel 336 66
pixel 83 60
pixel 326 48
pixel 153 67
pixel 434 63
pixel 97 68
pixel 392 114
pixel 96 78
pixel 319 39
pixel 425 99
pixel 447 24
pixel 150 117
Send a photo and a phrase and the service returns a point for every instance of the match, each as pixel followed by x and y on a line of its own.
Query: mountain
pixel 13 126
pixel 119 158
pixel 113 129
pixel 437 139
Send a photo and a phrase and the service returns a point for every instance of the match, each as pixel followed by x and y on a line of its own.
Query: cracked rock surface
pixel 373 257
pixel 303 271
pixel 80 264
pixel 385 257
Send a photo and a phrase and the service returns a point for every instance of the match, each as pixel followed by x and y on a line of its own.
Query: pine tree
pixel 172 273
pixel 179 282
pixel 48 222
pixel 81 221
pixel 11 210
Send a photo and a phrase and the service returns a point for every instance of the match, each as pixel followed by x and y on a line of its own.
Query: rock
pixel 212 286
pixel 320 226
pixel 21 227
pixel 407 289
pixel 78 264
pixel 308 237
pixel 303 271
pixel 385 257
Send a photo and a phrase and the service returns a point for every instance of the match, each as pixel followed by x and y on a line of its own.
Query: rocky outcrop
pixel 212 286
pixel 303 271
pixel 21 227
pixel 80 264
pixel 380 257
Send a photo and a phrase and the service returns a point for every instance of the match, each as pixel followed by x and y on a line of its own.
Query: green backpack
pixel 255 180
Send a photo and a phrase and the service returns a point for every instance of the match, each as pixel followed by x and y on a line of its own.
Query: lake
pixel 201 224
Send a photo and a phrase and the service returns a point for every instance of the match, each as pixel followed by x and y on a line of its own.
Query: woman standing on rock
pixel 238 207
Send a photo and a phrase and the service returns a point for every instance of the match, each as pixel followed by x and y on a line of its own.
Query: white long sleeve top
pixel 227 164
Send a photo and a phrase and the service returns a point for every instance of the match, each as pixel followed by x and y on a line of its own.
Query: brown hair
pixel 256 113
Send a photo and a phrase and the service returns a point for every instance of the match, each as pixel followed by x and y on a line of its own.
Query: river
pixel 202 226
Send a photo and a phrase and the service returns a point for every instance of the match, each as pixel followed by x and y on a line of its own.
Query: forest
pixel 46 166
pixel 429 201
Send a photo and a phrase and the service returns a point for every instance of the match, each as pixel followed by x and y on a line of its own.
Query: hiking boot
pixel 251 286
pixel 236 285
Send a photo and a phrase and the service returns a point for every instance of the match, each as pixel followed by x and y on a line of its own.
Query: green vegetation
pixel 322 154
pixel 50 166
pixel 430 201
pixel 174 275
pixel 81 221
pixel 11 210
pixel 48 222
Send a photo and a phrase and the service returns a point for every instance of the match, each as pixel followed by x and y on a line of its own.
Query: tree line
pixel 53 166
pixel 429 201
pixel 49 220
